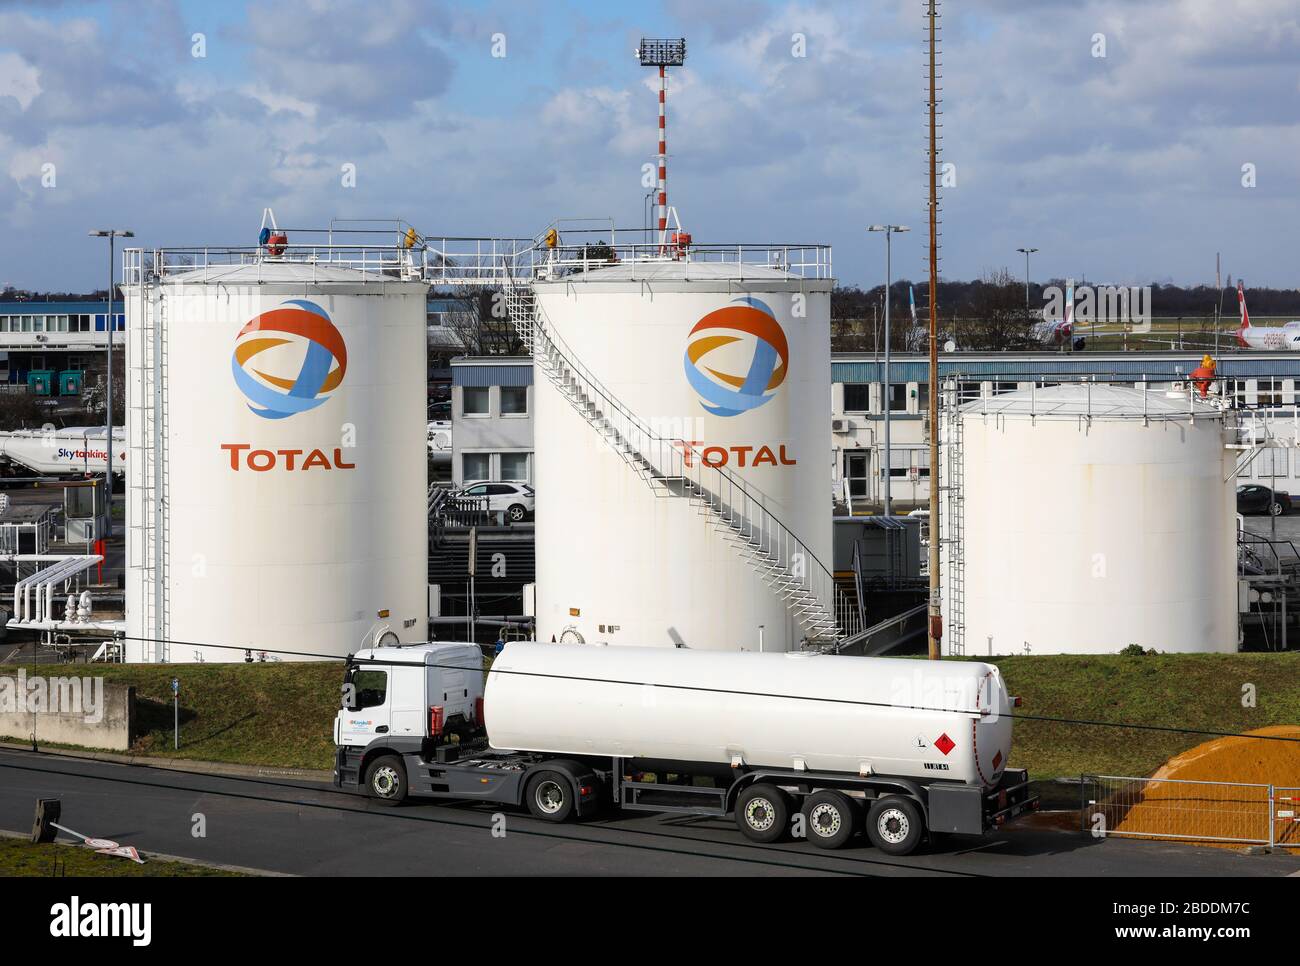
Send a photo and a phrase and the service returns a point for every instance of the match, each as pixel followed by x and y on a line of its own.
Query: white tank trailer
pixel 1085 518
pixel 732 358
pixel 900 746
pixel 276 484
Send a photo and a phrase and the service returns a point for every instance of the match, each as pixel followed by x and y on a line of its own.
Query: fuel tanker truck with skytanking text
pixel 798 743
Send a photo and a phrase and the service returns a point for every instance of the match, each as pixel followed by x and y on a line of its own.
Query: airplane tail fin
pixel 1245 316
pixel 1068 321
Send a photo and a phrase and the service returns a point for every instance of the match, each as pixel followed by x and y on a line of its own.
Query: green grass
pixel 19 857
pixel 276 714
pixel 282 714
pixel 1198 691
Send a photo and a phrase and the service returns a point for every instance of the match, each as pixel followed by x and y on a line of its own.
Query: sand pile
pixel 1168 809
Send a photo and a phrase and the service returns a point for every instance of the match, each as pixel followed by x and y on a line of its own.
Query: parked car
pixel 516 499
pixel 1253 498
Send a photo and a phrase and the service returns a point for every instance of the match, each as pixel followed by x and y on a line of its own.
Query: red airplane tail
pixel 1245 316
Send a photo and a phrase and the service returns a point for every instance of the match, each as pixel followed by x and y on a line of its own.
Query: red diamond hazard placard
pixel 997 759
pixel 944 743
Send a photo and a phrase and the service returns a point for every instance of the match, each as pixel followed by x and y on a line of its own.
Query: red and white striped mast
pixel 662 54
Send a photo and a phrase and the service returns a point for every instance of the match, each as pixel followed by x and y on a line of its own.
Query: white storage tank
pixel 732 358
pixel 1080 519
pixel 279 505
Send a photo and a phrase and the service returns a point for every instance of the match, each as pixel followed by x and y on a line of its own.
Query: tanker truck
pixel 818 745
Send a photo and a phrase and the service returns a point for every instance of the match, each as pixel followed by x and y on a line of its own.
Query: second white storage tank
pixel 731 359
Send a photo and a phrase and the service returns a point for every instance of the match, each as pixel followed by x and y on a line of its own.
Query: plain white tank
pixel 293 461
pixel 1085 518
pixel 734 358
pixel 945 720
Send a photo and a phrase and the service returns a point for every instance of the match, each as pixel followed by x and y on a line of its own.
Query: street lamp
pixel 889 231
pixel 110 234
pixel 1027 252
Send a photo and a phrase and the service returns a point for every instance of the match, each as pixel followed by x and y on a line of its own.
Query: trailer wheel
pixel 831 819
pixel 550 796
pixel 894 825
pixel 386 780
pixel 763 813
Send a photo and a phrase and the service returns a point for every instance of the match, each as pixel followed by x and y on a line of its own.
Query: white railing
pixel 397 252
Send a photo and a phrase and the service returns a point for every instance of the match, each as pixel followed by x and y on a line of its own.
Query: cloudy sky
pixel 1129 168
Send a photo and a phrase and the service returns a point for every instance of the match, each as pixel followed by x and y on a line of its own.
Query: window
pixel 922 464
pixel 476 466
pixel 898 397
pixel 1271 462
pixel 514 400
pixel 474 401
pixel 899 463
pixel 514 466
pixel 857 397
pixel 369 689
pixel 922 397
pixel 1270 392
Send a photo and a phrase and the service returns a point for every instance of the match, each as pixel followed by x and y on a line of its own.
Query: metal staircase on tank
pixel 147 437
pixel 674 469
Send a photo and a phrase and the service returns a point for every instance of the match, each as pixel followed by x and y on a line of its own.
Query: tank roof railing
pixel 1142 399
pixel 396 250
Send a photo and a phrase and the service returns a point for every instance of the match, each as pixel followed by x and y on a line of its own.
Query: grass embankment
pixel 282 714
pixel 1196 691
pixel 19 857
pixel 250 714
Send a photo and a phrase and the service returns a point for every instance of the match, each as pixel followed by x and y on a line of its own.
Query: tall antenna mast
pixel 662 54
pixel 935 630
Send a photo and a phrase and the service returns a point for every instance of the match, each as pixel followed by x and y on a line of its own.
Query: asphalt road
pixel 309 829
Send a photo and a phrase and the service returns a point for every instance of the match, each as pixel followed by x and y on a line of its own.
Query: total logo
pixel 324 359
pixel 743 323
pixel 287 360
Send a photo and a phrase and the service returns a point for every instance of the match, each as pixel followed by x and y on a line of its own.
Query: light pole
pixel 110 234
pixel 1027 252
pixel 889 231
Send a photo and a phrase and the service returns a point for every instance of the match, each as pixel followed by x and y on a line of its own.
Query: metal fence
pixel 1286 817
pixel 1198 811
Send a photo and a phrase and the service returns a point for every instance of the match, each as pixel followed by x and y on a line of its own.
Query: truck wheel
pixel 894 825
pixel 550 796
pixel 831 819
pixel 763 813
pixel 386 780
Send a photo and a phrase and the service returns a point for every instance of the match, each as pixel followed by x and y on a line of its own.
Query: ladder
pixel 956 542
pixel 674 469
pixel 147 439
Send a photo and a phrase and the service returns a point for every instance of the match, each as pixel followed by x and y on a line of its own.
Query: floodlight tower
pixel 662 54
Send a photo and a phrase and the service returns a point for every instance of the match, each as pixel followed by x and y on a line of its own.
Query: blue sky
pixel 1125 168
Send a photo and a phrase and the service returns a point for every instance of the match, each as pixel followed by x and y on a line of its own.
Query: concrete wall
pixel 66 709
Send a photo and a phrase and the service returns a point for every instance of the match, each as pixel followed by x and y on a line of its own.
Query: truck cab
pixel 402 699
